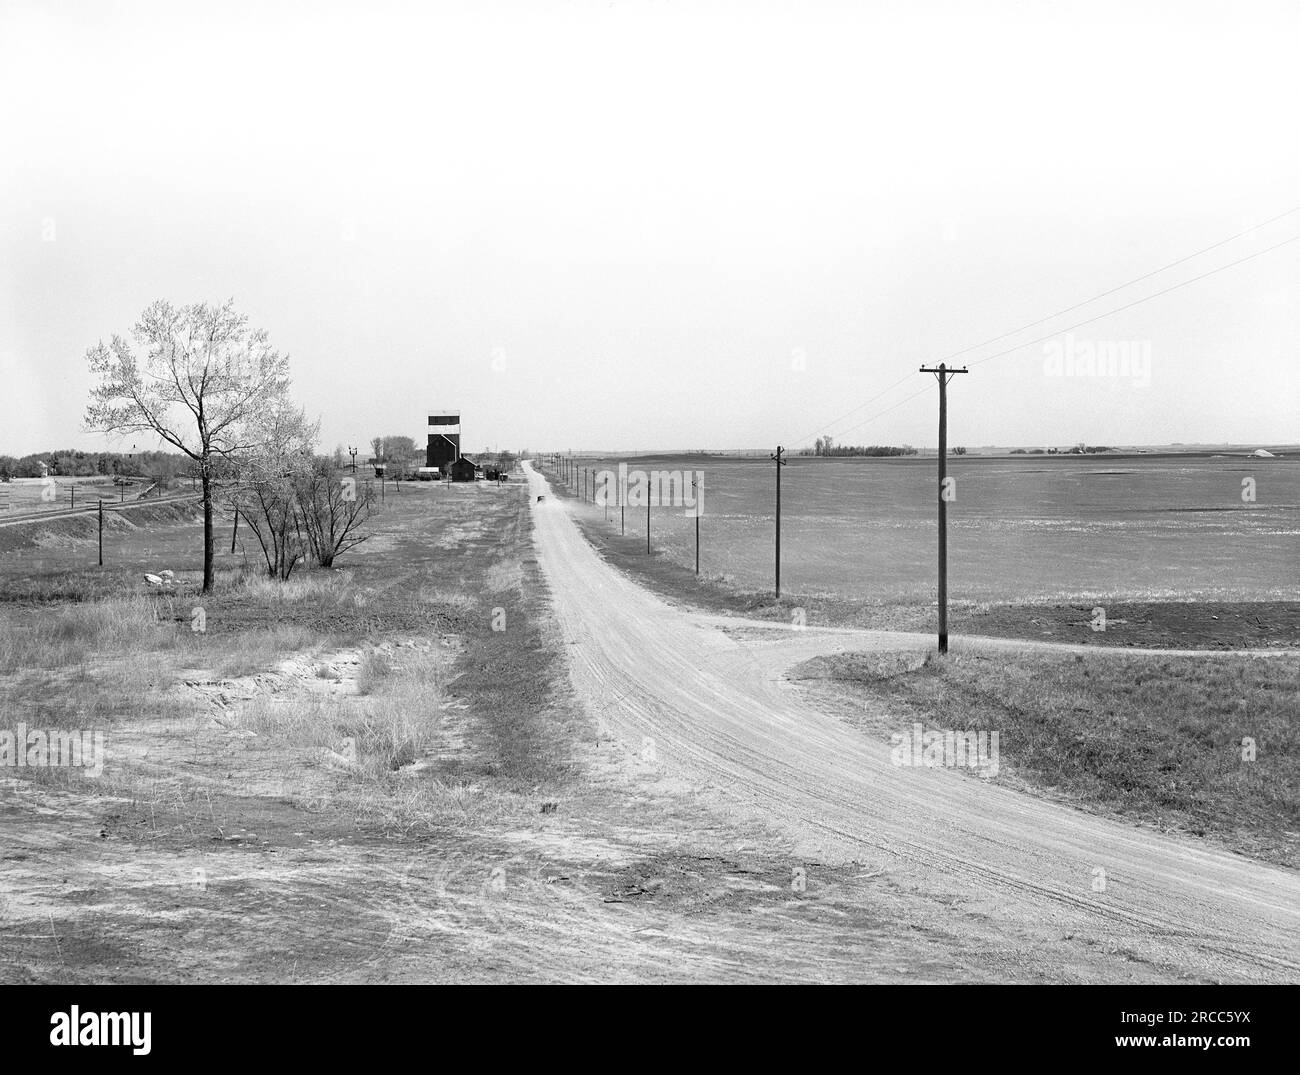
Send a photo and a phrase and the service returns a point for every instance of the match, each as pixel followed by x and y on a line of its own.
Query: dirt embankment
pixel 83 528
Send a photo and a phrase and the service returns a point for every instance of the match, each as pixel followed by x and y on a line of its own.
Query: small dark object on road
pixel 540 499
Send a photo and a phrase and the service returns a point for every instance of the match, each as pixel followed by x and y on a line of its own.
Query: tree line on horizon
pixel 72 463
pixel 827 446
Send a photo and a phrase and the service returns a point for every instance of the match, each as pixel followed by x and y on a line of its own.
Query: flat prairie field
pixel 1021 529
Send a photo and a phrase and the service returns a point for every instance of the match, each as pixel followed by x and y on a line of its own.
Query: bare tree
pixel 330 511
pixel 202 377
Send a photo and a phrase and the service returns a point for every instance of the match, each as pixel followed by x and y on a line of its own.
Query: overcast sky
pixel 637 225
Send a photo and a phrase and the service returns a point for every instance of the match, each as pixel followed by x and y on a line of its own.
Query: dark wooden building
pixel 463 470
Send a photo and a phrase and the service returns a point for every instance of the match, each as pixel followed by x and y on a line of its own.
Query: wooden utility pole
pixel 647 521
pixel 235 532
pixel 695 488
pixel 779 464
pixel 101 533
pixel 943 375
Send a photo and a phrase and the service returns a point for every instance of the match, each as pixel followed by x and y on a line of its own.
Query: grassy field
pixel 1024 529
pixel 1166 547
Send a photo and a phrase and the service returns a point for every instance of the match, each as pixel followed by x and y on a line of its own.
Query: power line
pixel 1137 302
pixel 833 421
pixel 1088 321
pixel 878 414
pixel 1061 312
pixel 1119 287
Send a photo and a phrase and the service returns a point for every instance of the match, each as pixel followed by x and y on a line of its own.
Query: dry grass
pixel 367 738
pixel 433 805
pixel 398 724
pixel 71 635
pixel 452 599
pixel 375 668
pixel 254 651
pixel 324 587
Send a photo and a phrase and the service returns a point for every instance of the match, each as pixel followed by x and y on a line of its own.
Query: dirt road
pixel 711 705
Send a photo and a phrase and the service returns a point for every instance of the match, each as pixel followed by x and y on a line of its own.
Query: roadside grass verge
pixel 1153 739
pixel 498 725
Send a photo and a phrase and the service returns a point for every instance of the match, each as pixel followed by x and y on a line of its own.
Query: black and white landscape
pixel 647 492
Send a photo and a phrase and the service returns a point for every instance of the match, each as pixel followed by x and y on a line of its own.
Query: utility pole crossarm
pixel 941 368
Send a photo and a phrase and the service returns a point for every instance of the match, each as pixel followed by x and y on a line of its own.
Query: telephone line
pixel 1120 287
pixel 1088 321
pixel 1071 309
pixel 1137 302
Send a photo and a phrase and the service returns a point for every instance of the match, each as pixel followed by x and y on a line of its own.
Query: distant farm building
pixel 464 470
pixel 444 441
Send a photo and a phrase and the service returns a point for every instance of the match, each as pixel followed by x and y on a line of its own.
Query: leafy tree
pixel 197 376
pixel 266 494
pixel 399 453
